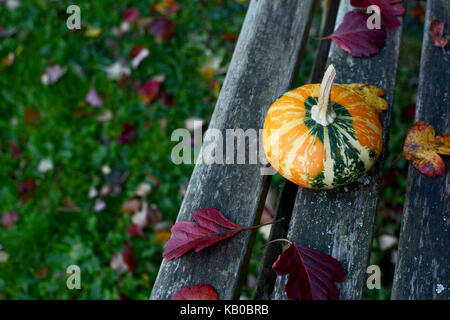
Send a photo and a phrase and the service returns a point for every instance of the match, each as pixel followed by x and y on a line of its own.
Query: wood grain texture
pixel 340 221
pixel 423 267
pixel 262 68
pixel 266 277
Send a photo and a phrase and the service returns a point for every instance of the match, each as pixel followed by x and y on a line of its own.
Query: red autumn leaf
pixel 210 226
pixel 311 273
pixel 422 147
pixel 32 117
pixel 196 292
pixel 26 188
pixel 43 272
pixel 129 257
pixel 167 99
pixel 135 230
pixel 9 218
pixel 161 28
pixel 15 150
pixel 131 15
pixel 150 90
pixel 389 10
pixel 354 37
pixel 128 134
pixel 136 50
pixel 436 32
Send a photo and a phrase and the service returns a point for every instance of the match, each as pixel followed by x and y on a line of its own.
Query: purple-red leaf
pixel 128 134
pixel 436 32
pixel 389 10
pixel 354 37
pixel 161 28
pixel 197 292
pixel 311 273
pixel 129 257
pixel 210 227
pixel 150 90
pixel 135 230
pixel 93 98
pixel 9 218
pixel 131 15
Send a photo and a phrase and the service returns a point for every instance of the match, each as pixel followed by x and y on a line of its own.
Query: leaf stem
pixel 264 224
pixel 276 240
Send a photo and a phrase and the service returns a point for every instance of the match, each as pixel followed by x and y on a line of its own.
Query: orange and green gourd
pixel 322 136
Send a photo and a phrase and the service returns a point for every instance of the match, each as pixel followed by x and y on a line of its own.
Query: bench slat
pixel 267 278
pixel 263 66
pixel 423 267
pixel 340 222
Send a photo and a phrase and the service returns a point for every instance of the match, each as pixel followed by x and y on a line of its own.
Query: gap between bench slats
pixel 263 66
pixel 340 222
pixel 423 267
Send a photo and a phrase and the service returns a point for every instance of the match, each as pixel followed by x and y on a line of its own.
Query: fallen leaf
pixel 196 292
pixel 7 61
pixel 45 165
pixel 93 98
pixel 150 90
pixel 311 273
pixel 52 74
pixel 165 7
pixel 117 70
pixel 129 257
pixel 43 272
pixel 131 206
pixel 92 32
pixel 26 189
pixel 389 10
pixel 99 205
pixel 387 241
pixel 9 219
pixel 147 215
pixel 143 53
pixel 167 99
pixel 162 236
pixel 14 149
pixel 12 4
pixel 436 32
pixel 354 37
pixel 161 28
pixel 128 134
pixel 135 230
pixel 370 94
pixel 131 15
pixel 31 117
pixel 422 147
pixel 210 227
pixel 3 257
pixel 143 189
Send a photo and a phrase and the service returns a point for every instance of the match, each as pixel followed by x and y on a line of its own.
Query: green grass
pixel 47 236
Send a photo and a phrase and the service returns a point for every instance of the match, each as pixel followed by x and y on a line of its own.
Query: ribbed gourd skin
pixel 321 157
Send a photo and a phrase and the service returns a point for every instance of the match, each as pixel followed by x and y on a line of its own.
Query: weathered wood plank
pixel 423 267
pixel 266 278
pixel 262 68
pixel 340 222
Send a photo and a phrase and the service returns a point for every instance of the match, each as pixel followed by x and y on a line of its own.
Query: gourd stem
pixel 322 113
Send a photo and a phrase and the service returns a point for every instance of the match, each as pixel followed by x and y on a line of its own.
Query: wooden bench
pixel 340 221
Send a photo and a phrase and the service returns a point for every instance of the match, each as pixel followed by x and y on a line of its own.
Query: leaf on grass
pixel 131 206
pixel 354 37
pixel 9 219
pixel 138 54
pixel 150 90
pixel 52 74
pixel 129 257
pixel 436 32
pixel 14 149
pixel 210 227
pixel 196 292
pixel 130 15
pixel 26 189
pixel 162 236
pixel 389 10
pixel 93 98
pixel 165 7
pixel 128 134
pixel 93 32
pixel 311 273
pixel 161 28
pixel 135 230
pixel 370 94
pixel 422 147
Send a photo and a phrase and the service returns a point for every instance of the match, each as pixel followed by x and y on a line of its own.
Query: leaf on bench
pixel 354 37
pixel 370 94
pixel 389 10
pixel 311 273
pixel 196 292
pixel 422 147
pixel 210 227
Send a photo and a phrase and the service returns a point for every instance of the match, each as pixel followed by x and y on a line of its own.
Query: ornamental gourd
pixel 322 136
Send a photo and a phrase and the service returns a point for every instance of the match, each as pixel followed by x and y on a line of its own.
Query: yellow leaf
pixel 370 94
pixel 422 147
pixel 93 32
